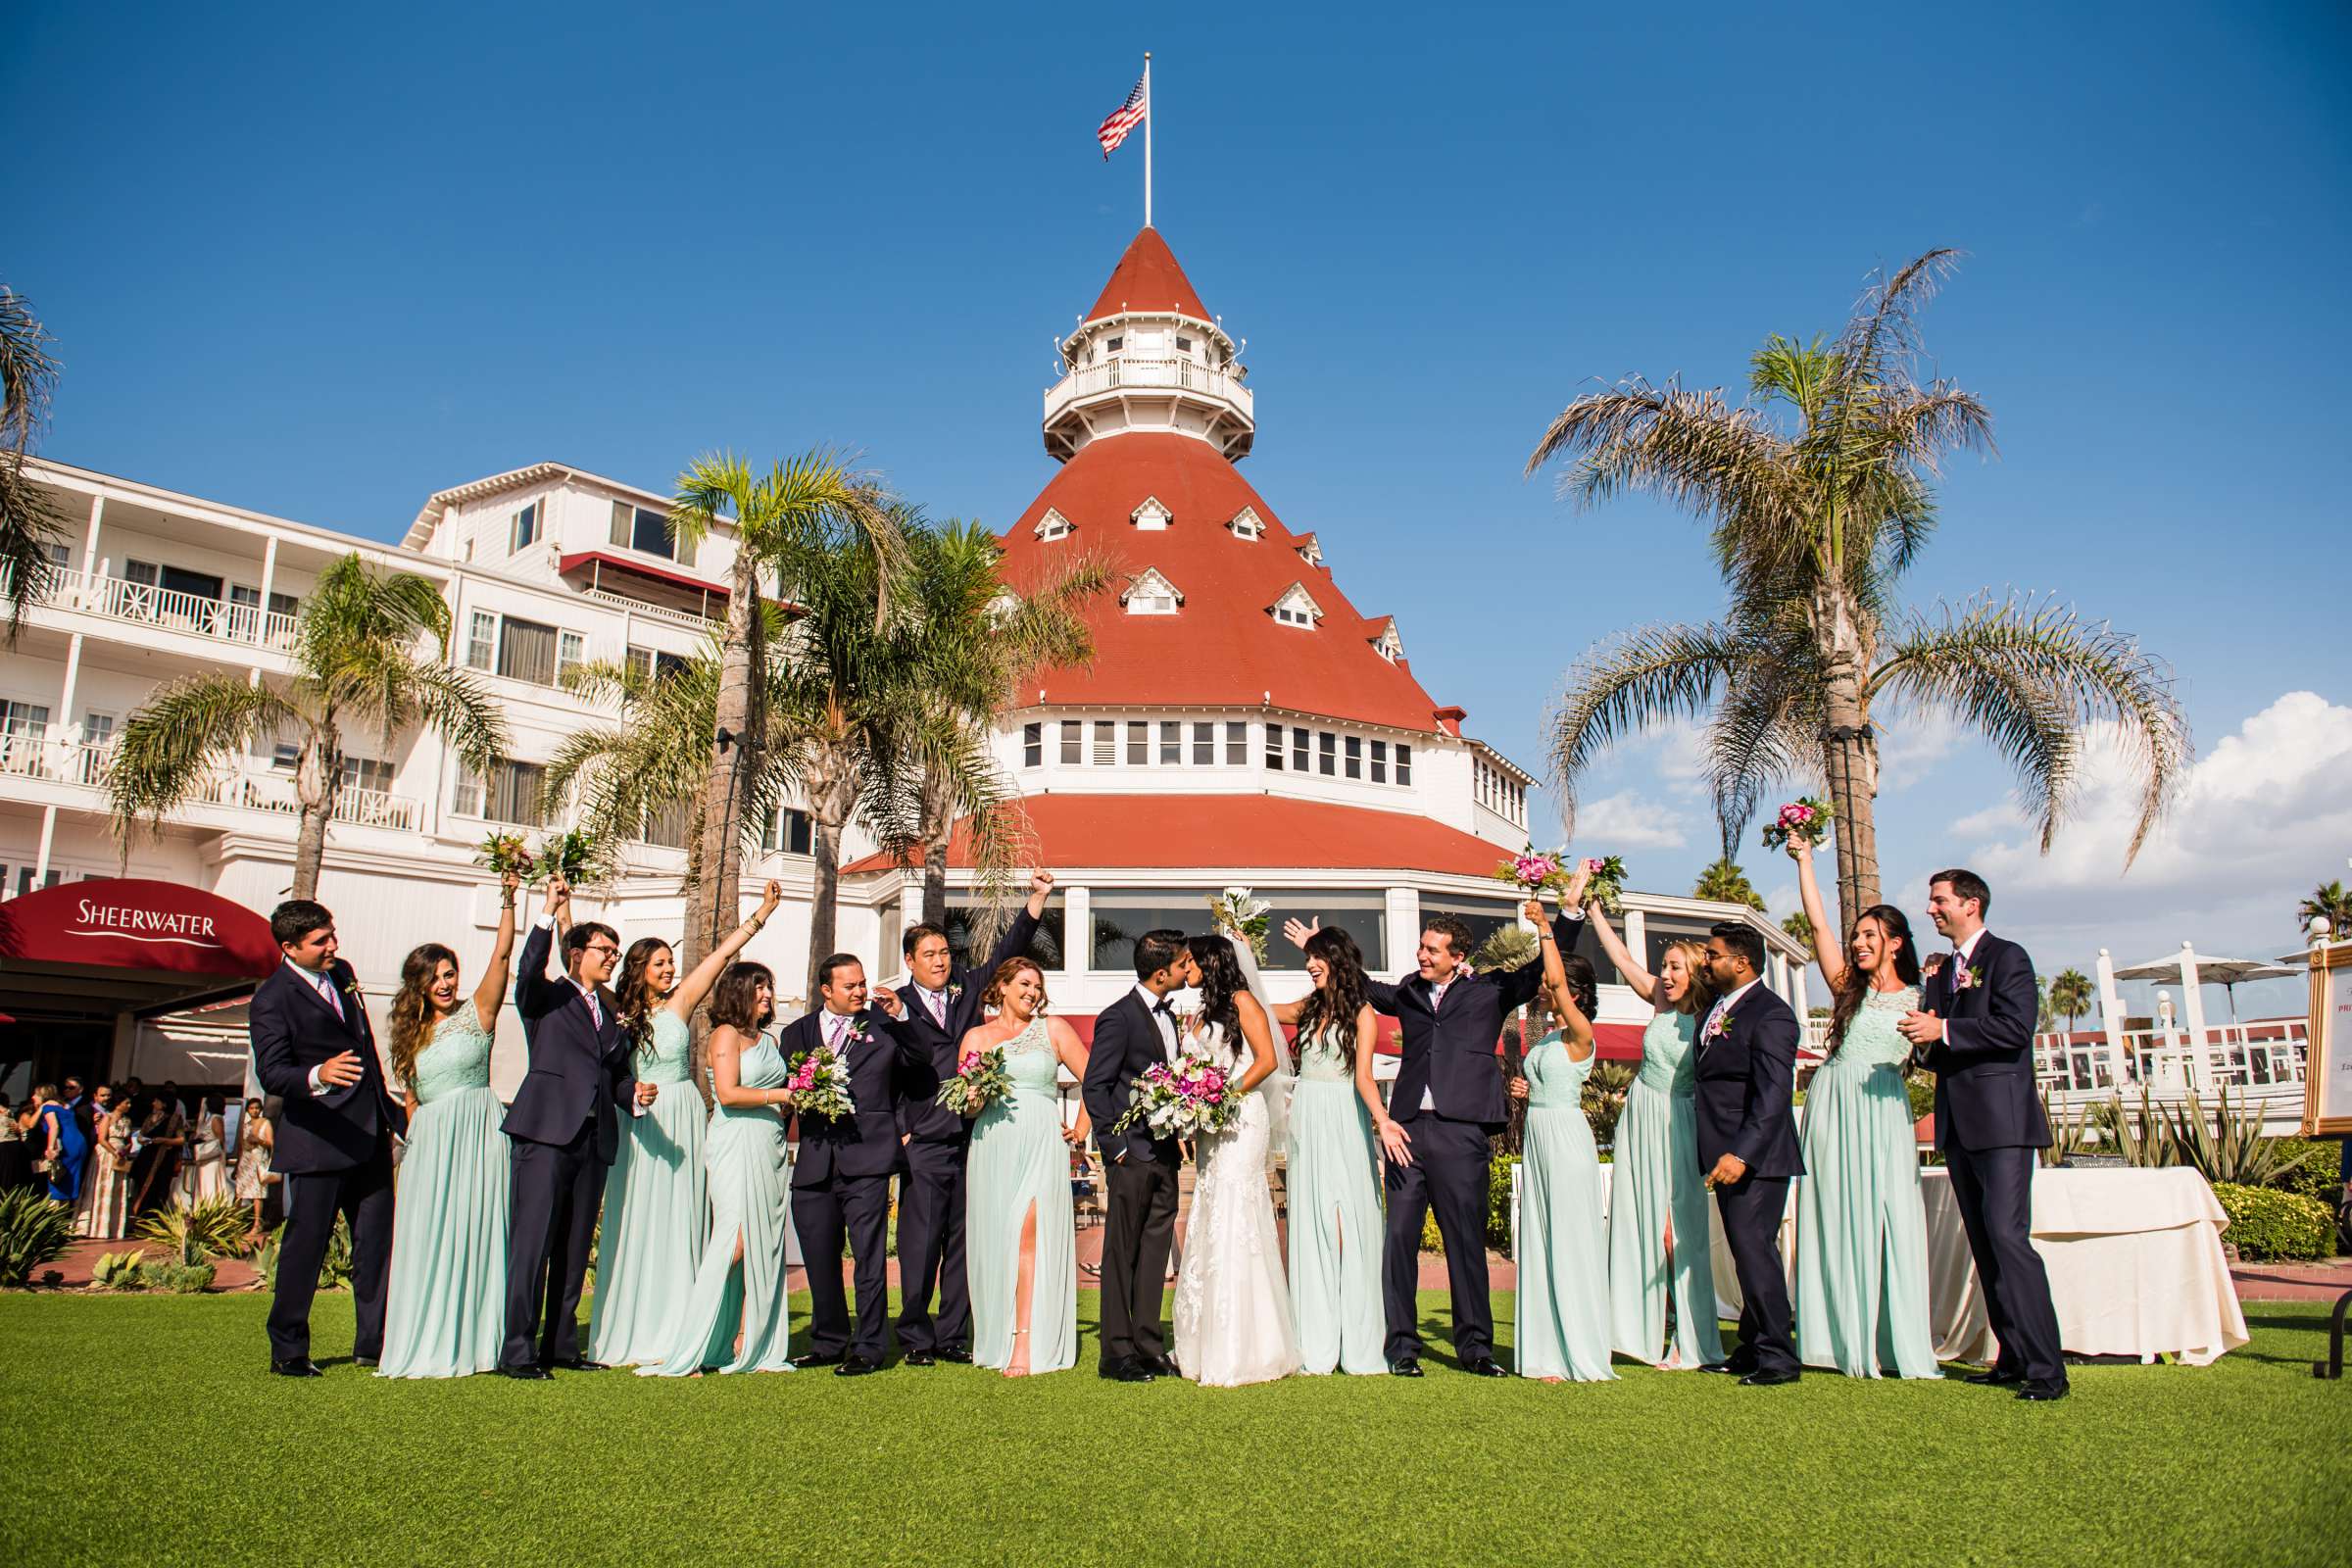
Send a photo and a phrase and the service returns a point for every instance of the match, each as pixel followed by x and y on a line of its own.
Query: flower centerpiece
pixel 503 853
pixel 1805 818
pixel 980 1082
pixel 1239 913
pixel 819 1081
pixel 1183 1099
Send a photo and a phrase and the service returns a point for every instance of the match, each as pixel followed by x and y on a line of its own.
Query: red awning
pixel 614 560
pixel 91 950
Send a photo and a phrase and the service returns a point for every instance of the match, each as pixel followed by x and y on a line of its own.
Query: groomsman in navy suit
pixel 563 1132
pixel 942 1004
pixel 313 1048
pixel 1747 1148
pixel 841 1181
pixel 1975 1029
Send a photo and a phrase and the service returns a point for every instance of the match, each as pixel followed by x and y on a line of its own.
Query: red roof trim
pixel 642 568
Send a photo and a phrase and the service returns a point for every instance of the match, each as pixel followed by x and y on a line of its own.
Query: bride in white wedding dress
pixel 1233 1299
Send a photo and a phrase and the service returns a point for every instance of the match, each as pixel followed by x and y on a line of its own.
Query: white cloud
pixel 1628 820
pixel 1679 755
pixel 1911 746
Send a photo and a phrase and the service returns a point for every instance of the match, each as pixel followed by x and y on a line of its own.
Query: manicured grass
pixel 145 1428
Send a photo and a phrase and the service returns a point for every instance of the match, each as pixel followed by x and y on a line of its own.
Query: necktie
pixel 835 1027
pixel 939 1008
pixel 327 988
pixel 596 1014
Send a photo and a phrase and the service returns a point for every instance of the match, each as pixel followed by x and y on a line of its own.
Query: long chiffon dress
pixel 1563 1326
pixel 655 1209
pixel 744 1157
pixel 445 1308
pixel 1861 1293
pixel 1019 1162
pixel 1336 1225
pixel 72 1149
pixel 1655 1182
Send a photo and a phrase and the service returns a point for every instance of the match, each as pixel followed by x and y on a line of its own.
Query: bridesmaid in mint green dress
pixel 1336 1224
pixel 655 1211
pixel 1562 1332
pixel 1020 1236
pixel 1861 1291
pixel 732 1318
pixel 1657 1196
pixel 445 1304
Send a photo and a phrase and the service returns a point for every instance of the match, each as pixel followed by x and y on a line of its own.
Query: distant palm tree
pixel 2331 901
pixel 1815 521
pixel 356 666
pixel 2070 996
pixel 28 525
pixel 1725 883
pixel 1797 926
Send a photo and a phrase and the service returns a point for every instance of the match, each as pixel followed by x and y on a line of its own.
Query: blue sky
pixel 323 262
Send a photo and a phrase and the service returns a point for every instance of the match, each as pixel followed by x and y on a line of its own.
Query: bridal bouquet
pixel 819 1081
pixel 1606 885
pixel 505 852
pixel 1532 873
pixel 1182 1100
pixel 1239 913
pixel 980 1083
pixel 579 855
pixel 1803 818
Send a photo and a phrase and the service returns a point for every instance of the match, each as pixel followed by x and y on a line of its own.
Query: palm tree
pixel 1797 926
pixel 1725 883
pixel 2331 901
pixel 2070 996
pixel 787 523
pixel 28 524
pixel 1814 517
pixel 356 665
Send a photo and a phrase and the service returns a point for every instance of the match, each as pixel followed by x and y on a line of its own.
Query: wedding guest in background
pixel 1861 1224
pixel 445 1311
pixel 78 1101
pixel 208 1157
pixel 163 1134
pixel 252 1166
pixel 733 1315
pixel 655 1206
pixel 57 1143
pixel 16 1148
pixel 99 1213
pixel 1562 1329
pixel 1975 1028
pixel 1658 1193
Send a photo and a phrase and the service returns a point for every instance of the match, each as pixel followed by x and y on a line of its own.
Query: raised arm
pixel 491 994
pixel 1827 948
pixel 1573 1022
pixel 687 994
pixel 1642 983
pixel 1070 1051
pixel 535 992
pixel 1016 938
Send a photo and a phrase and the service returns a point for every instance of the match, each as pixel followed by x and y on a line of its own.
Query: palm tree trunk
pixel 730 786
pixel 318 780
pixel 1849 755
pixel 825 894
pixel 935 881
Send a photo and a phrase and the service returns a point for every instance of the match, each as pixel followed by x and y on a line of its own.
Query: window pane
pixel 649 532
pixel 1356 757
pixel 1123 914
pixel 526 650
pixel 1073 741
pixel 1404 763
pixel 525 530
pixel 1046 946
pixel 1380 761
pixel 1301 739
pixel 571 651
pixel 1236 743
pixel 623 521
pixel 1274 746
pixel 1326 754
pixel 1033 745
pixel 1106 743
pixel 666 826
pixel 1363 915
pixel 1139 743
pixel 1204 745
pixel 1171 743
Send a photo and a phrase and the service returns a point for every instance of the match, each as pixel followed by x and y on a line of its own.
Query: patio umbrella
pixel 2228 973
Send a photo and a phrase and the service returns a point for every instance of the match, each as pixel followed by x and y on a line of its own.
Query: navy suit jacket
pixel 294 1029
pixel 921 1116
pixel 1126 1043
pixel 580 1073
pixel 1986 1096
pixel 865 1143
pixel 1748 1086
pixel 1448 1048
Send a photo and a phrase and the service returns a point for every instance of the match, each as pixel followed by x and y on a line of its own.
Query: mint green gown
pixel 1656 1184
pixel 1336 1225
pixel 745 1158
pixel 1563 1326
pixel 1018 1160
pixel 445 1304
pixel 1861 1291
pixel 655 1209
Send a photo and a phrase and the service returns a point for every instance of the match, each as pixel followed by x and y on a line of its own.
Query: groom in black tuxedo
pixel 562 1131
pixel 841 1181
pixel 942 1004
pixel 1140 1170
pixel 1747 1148
pixel 1974 1030
pixel 313 1048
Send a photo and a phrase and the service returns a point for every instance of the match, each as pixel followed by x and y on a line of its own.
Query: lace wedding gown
pixel 1233 1302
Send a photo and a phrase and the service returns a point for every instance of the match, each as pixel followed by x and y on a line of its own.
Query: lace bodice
pixel 666 1056
pixel 1666 1059
pixel 1554 1082
pixel 1030 1061
pixel 1871 1039
pixel 457 1057
pixel 1320 1059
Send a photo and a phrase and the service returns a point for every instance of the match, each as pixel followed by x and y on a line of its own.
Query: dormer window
pixel 1183 345
pixel 1151 594
pixel 1246 524
pixel 1388 644
pixel 1295 608
pixel 1309 551
pixel 1117 344
pixel 1152 516
pixel 1053 525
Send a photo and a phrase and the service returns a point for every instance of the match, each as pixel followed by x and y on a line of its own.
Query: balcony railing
pixel 1127 373
pixel 63 762
pixel 274 792
pixel 653 612
pixel 171 611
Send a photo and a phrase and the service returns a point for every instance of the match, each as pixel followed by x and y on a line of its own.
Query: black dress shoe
pixel 1407 1367
pixel 532 1372
pixel 856 1367
pixel 1770 1380
pixel 917 1358
pixel 1729 1369
pixel 579 1363
pixel 1484 1367
pixel 1128 1371
pixel 960 1354
pixel 2040 1391
pixel 813 1360
pixel 296 1366
pixel 366 1360
pixel 1995 1378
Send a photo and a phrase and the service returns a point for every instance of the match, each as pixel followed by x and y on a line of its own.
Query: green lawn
pixel 145 1428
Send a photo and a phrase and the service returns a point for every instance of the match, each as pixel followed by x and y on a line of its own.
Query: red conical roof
pixel 1147 278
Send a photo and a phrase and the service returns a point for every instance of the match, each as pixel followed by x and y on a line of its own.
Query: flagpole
pixel 1148 117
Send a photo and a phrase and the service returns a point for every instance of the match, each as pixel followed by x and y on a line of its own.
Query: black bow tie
pixel 1162 1007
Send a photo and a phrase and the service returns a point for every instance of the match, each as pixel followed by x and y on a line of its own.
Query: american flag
pixel 1124 119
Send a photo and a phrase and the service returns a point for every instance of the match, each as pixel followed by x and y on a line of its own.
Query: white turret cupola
pixel 1150 357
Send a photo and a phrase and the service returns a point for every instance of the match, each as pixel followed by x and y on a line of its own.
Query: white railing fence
pixel 117 599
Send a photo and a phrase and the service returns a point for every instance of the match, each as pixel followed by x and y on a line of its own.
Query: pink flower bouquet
pixel 1806 820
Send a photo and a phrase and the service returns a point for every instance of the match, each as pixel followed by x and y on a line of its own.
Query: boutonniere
pixel 955 991
pixel 1968 979
pixel 351 989
pixel 1721 1027
pixel 858 1035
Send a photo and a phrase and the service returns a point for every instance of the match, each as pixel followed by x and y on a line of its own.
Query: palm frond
pixel 454 702
pixel 1637 679
pixel 178 737
pixel 1690 448
pixel 1766 730
pixel 29 523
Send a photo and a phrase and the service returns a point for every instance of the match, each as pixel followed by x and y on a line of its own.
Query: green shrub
pixel 334 1269
pixel 120 1272
pixel 2321 1173
pixel 215 1228
pixel 33 1230
pixel 2267 1224
pixel 1922 1089
pixel 1499 1210
pixel 1603 1099
pixel 189 1279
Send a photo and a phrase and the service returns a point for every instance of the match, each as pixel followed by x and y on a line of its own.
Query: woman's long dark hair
pixel 1584 984
pixel 636 1004
pixel 1848 1000
pixel 736 996
pixel 1334 1006
pixel 413 1006
pixel 1220 982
